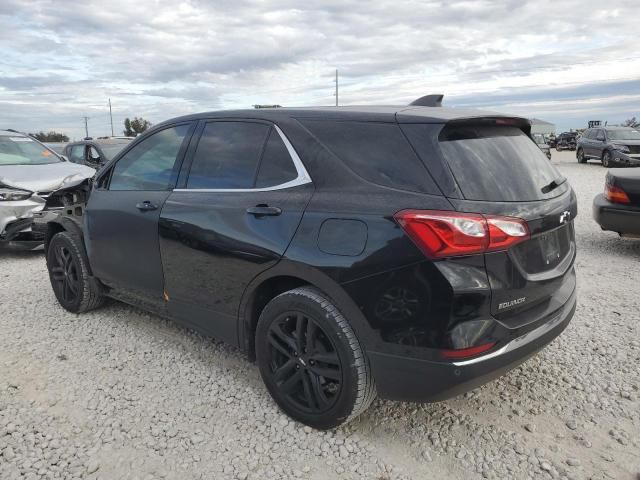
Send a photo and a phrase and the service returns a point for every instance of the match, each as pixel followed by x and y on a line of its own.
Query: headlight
pixel 622 148
pixel 9 194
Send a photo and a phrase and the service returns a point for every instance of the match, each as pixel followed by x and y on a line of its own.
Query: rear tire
pixel 580 156
pixel 69 274
pixel 606 159
pixel 311 361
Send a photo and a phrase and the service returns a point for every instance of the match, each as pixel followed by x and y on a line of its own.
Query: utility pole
pixel 336 87
pixel 86 126
pixel 111 117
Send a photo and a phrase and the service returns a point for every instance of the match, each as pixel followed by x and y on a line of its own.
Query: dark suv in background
pixel 95 153
pixel 613 146
pixel 410 252
pixel 566 141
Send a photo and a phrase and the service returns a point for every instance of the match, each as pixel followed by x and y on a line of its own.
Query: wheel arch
pixel 65 224
pixel 285 276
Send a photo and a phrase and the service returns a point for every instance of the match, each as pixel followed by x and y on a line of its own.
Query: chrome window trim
pixel 302 178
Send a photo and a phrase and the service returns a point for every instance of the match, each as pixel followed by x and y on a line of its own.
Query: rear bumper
pixel 616 217
pixel 620 159
pixel 410 379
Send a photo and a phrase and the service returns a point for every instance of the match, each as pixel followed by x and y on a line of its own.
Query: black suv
pixel 410 252
pixel 95 153
pixel 613 146
pixel 566 141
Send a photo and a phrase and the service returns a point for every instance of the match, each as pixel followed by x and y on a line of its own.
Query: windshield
pixel 496 163
pixel 18 150
pixel 623 134
pixel 111 151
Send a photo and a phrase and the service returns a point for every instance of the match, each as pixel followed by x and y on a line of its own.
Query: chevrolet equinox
pixel 411 252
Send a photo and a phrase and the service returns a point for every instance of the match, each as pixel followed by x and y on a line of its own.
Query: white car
pixel 29 172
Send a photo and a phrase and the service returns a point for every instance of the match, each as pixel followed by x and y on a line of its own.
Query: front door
pixel 239 207
pixel 121 220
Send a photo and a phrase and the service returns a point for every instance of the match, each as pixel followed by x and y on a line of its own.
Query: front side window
pixel 76 154
pixel 19 150
pixel 227 155
pixel 150 164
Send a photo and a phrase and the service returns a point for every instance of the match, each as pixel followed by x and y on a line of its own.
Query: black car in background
pixel 410 252
pixel 613 146
pixel 618 208
pixel 566 141
pixel 95 153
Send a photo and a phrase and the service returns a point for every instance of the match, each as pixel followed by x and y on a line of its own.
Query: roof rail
pixel 434 100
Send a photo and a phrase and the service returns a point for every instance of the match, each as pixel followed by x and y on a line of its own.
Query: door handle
pixel 264 210
pixel 146 206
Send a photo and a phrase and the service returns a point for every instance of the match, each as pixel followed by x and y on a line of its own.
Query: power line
pixel 336 87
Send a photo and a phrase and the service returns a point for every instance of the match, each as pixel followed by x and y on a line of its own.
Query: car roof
pixel 619 128
pixel 403 114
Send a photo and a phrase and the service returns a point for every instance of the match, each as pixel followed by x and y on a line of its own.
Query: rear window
pixel 377 152
pixel 497 163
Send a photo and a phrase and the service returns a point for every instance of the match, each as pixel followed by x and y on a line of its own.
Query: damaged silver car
pixel 29 172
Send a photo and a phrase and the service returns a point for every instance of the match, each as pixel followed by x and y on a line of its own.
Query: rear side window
pixel 497 163
pixel 227 155
pixel 377 152
pixel 276 166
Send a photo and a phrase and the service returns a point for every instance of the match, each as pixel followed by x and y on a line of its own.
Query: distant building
pixel 540 126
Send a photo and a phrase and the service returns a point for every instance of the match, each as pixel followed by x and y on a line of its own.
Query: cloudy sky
pixel 564 61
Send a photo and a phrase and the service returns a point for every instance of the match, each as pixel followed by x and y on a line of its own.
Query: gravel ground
pixel 118 393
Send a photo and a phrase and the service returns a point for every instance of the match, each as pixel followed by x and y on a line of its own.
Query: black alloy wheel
pixel 64 274
pixel 69 274
pixel 304 363
pixel 311 360
pixel 580 156
pixel 606 159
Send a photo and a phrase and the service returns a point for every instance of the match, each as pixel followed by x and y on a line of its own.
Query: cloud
pixel 60 60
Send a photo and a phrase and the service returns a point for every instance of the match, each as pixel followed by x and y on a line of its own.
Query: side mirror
pixel 64 158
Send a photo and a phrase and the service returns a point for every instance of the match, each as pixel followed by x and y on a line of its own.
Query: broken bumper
pixel 17 228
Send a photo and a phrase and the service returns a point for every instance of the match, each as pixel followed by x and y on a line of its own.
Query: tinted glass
pixel 149 165
pixel 19 150
pixel 276 166
pixel 377 152
pixel 227 155
pixel 76 155
pixel 497 163
pixel 623 134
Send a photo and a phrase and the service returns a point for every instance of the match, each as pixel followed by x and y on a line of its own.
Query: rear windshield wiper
pixel 553 185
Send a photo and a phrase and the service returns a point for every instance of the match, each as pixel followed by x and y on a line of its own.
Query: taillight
pixel 616 194
pixel 467 352
pixel 442 234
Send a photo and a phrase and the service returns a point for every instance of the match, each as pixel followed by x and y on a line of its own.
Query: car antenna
pixel 434 100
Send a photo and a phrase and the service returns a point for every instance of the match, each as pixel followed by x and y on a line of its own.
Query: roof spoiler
pixel 434 100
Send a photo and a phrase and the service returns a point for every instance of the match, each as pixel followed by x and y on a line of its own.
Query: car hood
pixel 44 178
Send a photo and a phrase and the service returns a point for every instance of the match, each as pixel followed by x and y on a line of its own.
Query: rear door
pixel 241 198
pixel 498 170
pixel 123 210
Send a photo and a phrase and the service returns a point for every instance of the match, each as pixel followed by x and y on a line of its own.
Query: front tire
pixel 69 274
pixel 606 159
pixel 311 361
pixel 580 156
